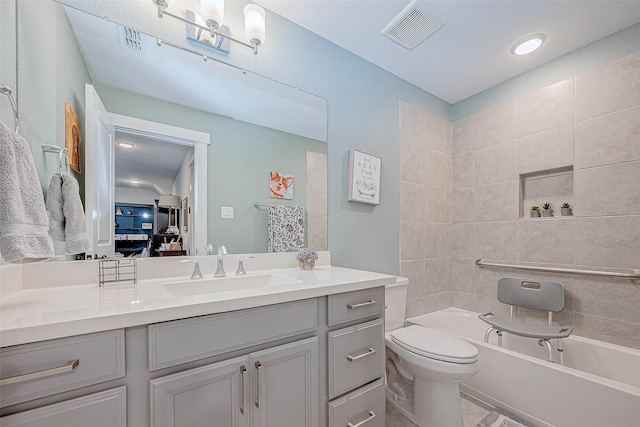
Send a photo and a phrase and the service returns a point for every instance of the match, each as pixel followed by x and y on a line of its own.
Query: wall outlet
pixel 226 212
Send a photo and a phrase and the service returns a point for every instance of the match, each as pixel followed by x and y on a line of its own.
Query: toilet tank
pixel 395 303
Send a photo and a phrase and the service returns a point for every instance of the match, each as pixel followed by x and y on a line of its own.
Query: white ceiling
pixel 150 161
pixel 471 52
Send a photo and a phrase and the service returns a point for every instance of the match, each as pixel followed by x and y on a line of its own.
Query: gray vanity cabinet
pixel 356 359
pixel 273 387
pixel 198 396
pixel 45 369
pixel 103 409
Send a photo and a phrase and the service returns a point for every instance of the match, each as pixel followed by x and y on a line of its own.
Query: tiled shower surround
pixel 460 199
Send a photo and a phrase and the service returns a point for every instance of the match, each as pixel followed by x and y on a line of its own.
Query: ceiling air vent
pixel 412 26
pixel 131 39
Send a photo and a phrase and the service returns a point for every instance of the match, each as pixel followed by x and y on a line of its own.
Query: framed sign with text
pixel 364 178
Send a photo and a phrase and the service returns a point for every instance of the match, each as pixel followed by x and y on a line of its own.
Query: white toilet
pixel 424 366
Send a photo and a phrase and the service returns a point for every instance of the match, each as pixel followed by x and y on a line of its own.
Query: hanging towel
pixel 66 214
pixel 285 225
pixel 23 218
pixel 54 208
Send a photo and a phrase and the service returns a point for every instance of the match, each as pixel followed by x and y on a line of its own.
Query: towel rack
pixel 632 274
pixel 6 90
pixel 63 160
pixel 260 205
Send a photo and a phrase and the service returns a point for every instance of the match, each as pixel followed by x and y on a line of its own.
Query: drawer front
pixel 356 356
pixel 181 341
pixel 104 409
pixel 32 371
pixel 356 305
pixel 363 408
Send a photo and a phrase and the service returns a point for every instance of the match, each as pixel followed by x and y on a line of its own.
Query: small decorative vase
pixel 534 214
pixel 547 212
pixel 566 211
pixel 307 265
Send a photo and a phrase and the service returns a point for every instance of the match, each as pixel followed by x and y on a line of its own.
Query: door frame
pixel 198 229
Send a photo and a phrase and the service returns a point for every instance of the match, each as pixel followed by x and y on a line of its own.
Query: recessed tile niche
pixel 554 186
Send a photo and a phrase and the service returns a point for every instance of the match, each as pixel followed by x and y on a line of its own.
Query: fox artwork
pixel 281 186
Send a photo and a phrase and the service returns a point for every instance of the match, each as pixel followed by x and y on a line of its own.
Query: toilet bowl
pixel 427 366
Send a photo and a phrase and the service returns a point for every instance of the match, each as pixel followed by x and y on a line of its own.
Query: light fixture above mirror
pixel 210 19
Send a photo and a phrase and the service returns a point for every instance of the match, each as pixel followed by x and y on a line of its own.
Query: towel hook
pixel 6 90
pixel 64 164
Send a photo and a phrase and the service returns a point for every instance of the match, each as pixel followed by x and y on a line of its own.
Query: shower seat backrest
pixel 540 295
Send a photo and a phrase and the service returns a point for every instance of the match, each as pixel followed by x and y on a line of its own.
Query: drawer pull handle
pixel 362 304
pixel 70 366
pixel 372 415
pixel 261 390
pixel 351 358
pixel 245 390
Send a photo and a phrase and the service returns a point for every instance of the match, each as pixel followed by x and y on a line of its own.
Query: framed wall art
pixel 364 178
pixel 72 137
pixel 185 214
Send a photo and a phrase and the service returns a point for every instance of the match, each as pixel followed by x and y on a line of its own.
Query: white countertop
pixel 37 314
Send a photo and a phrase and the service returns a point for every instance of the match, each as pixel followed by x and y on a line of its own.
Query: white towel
pixel 75 226
pixel 54 208
pixel 66 214
pixel 285 225
pixel 23 218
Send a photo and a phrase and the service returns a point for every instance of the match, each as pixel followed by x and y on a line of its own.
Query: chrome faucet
pixel 222 250
pixel 240 271
pixel 196 269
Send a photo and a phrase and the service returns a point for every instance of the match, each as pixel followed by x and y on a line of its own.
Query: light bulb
pixel 212 10
pixel 254 24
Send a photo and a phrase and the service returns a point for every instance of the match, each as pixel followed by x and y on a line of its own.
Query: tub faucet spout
pixel 222 250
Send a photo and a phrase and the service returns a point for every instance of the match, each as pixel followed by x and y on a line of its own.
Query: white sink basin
pixel 224 284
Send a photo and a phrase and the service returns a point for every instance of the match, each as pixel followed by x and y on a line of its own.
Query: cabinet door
pixel 212 395
pixel 285 388
pixel 104 409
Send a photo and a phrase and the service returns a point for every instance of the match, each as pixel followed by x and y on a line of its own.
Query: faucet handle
pixel 196 269
pixel 240 271
pixel 209 249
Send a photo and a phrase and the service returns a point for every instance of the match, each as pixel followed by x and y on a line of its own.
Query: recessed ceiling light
pixel 528 44
pixel 126 145
pixel 134 181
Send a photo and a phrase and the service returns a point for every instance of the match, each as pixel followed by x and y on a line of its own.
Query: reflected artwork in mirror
pixel 254 124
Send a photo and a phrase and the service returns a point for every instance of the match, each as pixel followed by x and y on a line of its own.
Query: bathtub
pixel 598 386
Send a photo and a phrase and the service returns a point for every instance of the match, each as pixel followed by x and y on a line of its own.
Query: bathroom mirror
pixel 256 125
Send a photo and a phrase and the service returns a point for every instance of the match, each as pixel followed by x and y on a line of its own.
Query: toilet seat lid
pixel 434 344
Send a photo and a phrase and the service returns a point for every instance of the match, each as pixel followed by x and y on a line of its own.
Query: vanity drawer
pixel 356 356
pixel 364 407
pixel 99 356
pixel 104 409
pixel 356 305
pixel 180 341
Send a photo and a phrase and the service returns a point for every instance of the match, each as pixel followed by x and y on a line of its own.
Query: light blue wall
pixel 598 53
pixel 363 110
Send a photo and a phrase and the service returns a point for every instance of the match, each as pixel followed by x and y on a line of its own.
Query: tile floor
pixel 473 412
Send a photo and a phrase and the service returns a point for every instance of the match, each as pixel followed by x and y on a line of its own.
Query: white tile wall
pixel 497 202
pixel 590 122
pixel 497 240
pixel 497 124
pixel 464 170
pixel 463 137
pixel 608 241
pixel 546 108
pixel 497 163
pixel 608 190
pixel 547 240
pixel 608 139
pixel 546 150
pixel 612 87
